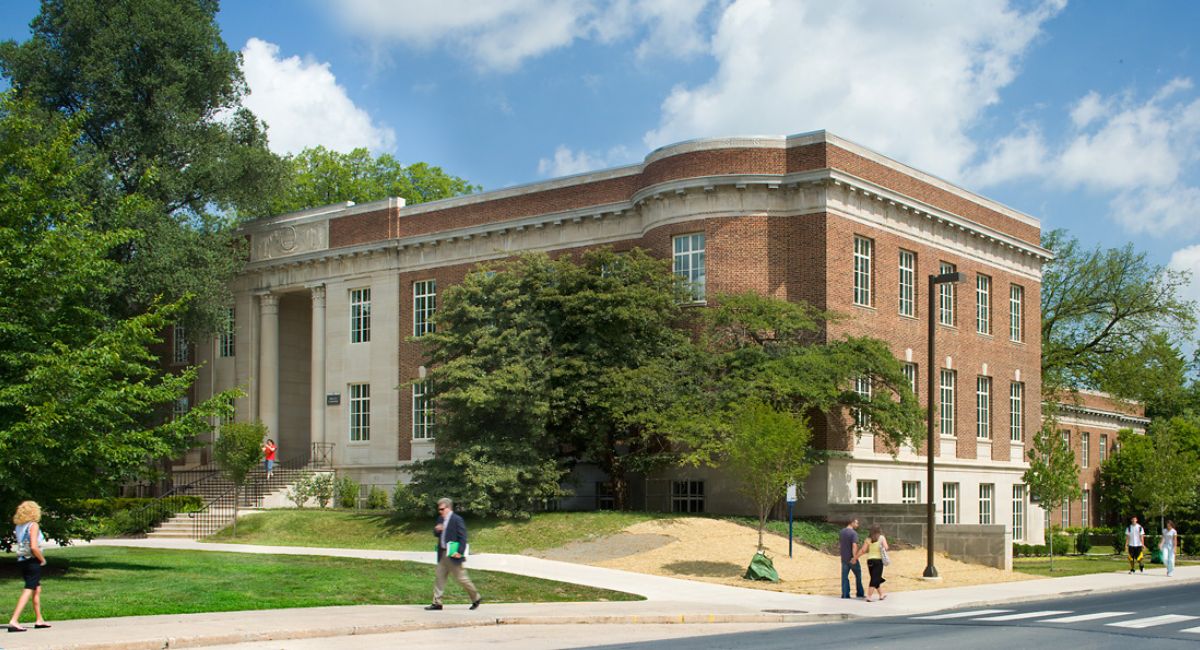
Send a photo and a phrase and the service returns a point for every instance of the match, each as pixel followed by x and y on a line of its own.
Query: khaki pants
pixel 446 567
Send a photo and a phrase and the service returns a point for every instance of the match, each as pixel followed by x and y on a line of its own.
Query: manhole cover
pixel 784 611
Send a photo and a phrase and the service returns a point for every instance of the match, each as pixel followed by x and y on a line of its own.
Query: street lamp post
pixel 934 281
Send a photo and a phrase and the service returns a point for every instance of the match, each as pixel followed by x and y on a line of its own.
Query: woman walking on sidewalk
pixel 31 561
pixel 1169 545
pixel 875 548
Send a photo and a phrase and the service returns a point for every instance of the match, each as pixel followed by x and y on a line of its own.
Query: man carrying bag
pixel 451 532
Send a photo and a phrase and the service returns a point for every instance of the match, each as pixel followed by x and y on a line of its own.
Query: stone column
pixel 268 363
pixel 317 418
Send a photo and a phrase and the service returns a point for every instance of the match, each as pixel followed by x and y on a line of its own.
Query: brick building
pixel 317 333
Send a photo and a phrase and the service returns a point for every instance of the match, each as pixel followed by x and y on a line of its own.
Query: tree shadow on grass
pixel 78 568
pixel 706 569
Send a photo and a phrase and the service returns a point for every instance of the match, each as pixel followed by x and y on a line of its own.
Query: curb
pixel 201 640
pixel 1113 589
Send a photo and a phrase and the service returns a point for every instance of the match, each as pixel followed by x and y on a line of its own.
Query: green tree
pixel 1052 476
pixel 1106 315
pixel 157 95
pixel 81 396
pixel 1123 473
pixel 775 351
pixel 318 176
pixel 767 450
pixel 237 450
pixel 1170 481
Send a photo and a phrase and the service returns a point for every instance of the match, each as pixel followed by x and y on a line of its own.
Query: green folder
pixel 451 548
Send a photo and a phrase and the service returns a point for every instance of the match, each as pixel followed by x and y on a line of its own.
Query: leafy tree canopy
pixel 318 176
pixel 1109 318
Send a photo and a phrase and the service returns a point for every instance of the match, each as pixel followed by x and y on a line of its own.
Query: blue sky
pixel 1083 114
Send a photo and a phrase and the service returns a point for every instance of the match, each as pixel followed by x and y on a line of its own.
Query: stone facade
pixel 778 215
pixel 989 545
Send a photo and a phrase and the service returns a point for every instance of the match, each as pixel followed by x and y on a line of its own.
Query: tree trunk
pixel 237 497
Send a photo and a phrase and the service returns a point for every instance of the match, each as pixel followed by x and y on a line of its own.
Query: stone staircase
pixel 217 493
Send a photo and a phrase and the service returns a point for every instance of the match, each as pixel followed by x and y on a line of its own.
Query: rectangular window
pixel 1066 513
pixel 689 263
pixel 1085 442
pixel 866 492
pixel 179 344
pixel 424 304
pixel 1103 448
pixel 946 397
pixel 360 315
pixel 422 412
pixel 1016 312
pixel 228 341
pixel 360 412
pixel 862 271
pixel 910 372
pixel 605 498
pixel 949 503
pixel 1066 438
pixel 1084 519
pixel 908 283
pixel 862 386
pixel 983 408
pixel 1016 411
pixel 687 496
pixel 986 499
pixel 180 408
pixel 983 304
pixel 946 297
pixel 1018 512
pixel 910 492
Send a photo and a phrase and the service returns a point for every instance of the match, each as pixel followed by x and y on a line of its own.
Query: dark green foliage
pixel 377 498
pixel 346 489
pixel 1083 542
pixel 239 449
pixel 405 503
pixel 507 482
pixel 318 176
pixel 767 450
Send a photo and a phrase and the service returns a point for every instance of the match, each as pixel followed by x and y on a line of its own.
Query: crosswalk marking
pixel 1139 623
pixel 1024 615
pixel 1192 630
pixel 1079 618
pixel 978 612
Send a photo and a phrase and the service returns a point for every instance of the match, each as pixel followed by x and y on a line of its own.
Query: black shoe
pixel 434 607
pixel 475 605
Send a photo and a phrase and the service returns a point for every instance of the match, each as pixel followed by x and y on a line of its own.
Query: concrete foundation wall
pixel 989 545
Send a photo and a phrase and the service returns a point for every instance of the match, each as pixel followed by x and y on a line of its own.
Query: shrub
pixel 377 498
pixel 405 502
pixel 1190 544
pixel 321 489
pixel 346 489
pixel 300 492
pixel 1041 550
pixel 1083 542
pixel 1062 544
pixel 1027 550
pixel 1016 550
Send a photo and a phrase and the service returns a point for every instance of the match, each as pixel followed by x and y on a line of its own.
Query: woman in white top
pixel 1169 545
pixel 27 530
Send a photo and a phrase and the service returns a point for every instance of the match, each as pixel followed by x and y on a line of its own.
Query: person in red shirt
pixel 269 456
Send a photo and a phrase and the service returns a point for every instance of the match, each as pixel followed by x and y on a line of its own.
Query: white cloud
pixel 500 35
pixel 303 105
pixel 1188 259
pixel 905 78
pixel 1017 155
pixel 567 162
pixel 1089 109
pixel 1161 211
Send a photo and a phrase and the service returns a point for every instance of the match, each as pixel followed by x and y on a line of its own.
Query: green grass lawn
pixel 97 582
pixel 817 534
pixel 382 530
pixel 1075 565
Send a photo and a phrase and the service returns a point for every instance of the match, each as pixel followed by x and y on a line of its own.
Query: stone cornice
pixel 1074 411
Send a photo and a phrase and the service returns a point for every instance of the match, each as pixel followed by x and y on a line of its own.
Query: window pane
pixel 946 297
pixel 862 271
pixel 983 408
pixel 424 304
pixel 908 288
pixel 983 304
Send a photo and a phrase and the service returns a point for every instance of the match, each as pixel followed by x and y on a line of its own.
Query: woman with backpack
pixel 31 560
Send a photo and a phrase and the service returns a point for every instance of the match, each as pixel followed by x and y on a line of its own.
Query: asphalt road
pixel 1166 617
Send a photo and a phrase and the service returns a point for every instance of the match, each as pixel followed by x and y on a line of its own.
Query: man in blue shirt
pixel 848 542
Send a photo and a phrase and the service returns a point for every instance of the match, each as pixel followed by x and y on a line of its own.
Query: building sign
pixel 333 399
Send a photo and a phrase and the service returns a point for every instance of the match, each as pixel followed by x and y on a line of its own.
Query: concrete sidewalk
pixel 668 600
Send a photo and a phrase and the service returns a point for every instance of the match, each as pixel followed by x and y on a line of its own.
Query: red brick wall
pixel 361 228
pixel 716 162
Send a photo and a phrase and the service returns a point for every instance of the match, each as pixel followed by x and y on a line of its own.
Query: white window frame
pixel 1103 447
pixel 1066 513
pixel 687 496
pixel 946 297
pixel 983 407
pixel 1016 411
pixel 180 407
pixel 689 262
pixel 983 304
pixel 360 412
pixel 908 283
pixel 1084 519
pixel 179 344
pixel 987 503
pixel 863 257
pixel 910 492
pixel 424 294
pixel 1016 313
pixel 910 371
pixel 1085 442
pixel 865 491
pixel 948 379
pixel 228 339
pixel 949 503
pixel 1018 513
pixel 422 411
pixel 862 386
pixel 360 315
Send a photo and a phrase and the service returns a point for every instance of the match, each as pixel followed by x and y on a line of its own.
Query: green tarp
pixel 761 568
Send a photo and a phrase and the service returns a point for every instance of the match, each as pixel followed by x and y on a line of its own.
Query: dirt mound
pixel 719 551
